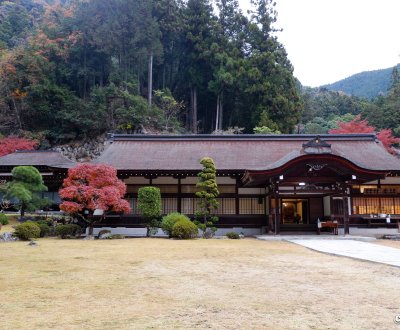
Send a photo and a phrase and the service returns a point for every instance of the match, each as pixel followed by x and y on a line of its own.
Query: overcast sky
pixel 328 40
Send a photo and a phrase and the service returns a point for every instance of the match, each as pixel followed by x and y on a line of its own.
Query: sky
pixel 329 40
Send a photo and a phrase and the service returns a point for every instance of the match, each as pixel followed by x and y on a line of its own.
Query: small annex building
pixel 267 183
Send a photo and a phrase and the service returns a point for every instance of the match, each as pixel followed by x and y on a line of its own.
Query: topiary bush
pixel 184 229
pixel 170 220
pixel 68 230
pixel 27 230
pixel 232 235
pixel 3 219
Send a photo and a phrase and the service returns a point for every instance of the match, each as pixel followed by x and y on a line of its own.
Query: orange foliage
pixel 18 94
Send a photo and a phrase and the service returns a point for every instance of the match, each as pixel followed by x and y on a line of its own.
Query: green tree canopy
pixel 24 187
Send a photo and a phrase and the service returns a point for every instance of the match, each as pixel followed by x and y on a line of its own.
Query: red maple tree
pixel 388 140
pixel 91 187
pixel 357 125
pixel 10 144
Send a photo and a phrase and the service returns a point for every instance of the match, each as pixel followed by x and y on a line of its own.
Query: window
pixel 251 206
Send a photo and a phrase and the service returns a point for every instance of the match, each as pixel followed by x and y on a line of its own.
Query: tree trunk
pixel 85 73
pixel 221 111
pixel 22 211
pixel 150 80
pixel 194 111
pixel 217 116
pixel 17 114
pixel 164 76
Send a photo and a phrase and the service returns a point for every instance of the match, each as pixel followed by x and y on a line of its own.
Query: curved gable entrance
pixel 310 188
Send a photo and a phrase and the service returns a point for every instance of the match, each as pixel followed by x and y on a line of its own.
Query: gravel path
pixel 353 249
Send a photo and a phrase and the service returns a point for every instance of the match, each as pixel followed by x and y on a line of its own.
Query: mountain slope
pixel 368 84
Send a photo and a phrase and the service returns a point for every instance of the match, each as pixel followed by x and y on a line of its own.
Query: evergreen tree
pixel 207 195
pixel 25 187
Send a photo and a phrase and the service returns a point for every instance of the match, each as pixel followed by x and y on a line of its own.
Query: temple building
pixel 267 183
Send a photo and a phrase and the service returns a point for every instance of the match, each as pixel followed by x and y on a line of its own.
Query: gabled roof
pixel 37 158
pixel 240 152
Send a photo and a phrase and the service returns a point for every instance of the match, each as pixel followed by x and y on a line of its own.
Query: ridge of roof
pixel 34 151
pixel 51 158
pixel 243 137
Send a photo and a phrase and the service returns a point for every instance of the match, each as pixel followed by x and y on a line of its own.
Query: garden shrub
pixel 27 230
pixel 68 230
pixel 232 235
pixel 184 229
pixel 3 219
pixel 149 204
pixel 170 220
pixel 44 228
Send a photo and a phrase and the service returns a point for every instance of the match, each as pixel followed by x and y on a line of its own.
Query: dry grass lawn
pixel 9 228
pixel 219 284
pixel 388 242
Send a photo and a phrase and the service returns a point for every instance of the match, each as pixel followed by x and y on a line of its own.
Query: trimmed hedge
pixel 68 230
pixel 168 222
pixel 27 231
pixel 184 229
pixel 232 235
pixel 44 228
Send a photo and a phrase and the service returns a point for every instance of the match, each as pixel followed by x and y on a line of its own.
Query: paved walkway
pixel 353 249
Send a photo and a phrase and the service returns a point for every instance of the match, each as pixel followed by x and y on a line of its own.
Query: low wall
pixel 141 232
pixel 372 232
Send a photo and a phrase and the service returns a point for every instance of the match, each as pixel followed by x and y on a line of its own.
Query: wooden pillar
pixel 345 212
pixel 179 196
pixel 277 219
pixel 237 205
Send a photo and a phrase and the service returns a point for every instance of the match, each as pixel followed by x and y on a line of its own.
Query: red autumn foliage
pixel 93 186
pixel 362 126
pixel 355 126
pixel 10 144
pixel 387 139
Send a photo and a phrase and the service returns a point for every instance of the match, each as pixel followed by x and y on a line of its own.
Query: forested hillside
pixel 76 69
pixel 323 109
pixel 368 84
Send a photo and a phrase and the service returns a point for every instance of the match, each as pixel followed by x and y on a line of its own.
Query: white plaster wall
pixel 251 191
pixel 388 180
pixel 373 232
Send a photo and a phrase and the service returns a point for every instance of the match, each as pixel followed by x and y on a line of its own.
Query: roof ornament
pixel 317 146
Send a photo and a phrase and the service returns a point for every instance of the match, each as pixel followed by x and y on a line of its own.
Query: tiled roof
pixel 238 152
pixel 36 158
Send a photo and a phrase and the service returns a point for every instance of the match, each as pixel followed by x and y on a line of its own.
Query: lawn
pixel 220 284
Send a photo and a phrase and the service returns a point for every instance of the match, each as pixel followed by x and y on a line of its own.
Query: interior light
pixel 353 177
pixel 302 183
pixel 281 177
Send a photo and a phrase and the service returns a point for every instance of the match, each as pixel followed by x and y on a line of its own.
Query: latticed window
pixel 251 206
pixel 225 206
pixel 169 205
pixel 375 205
